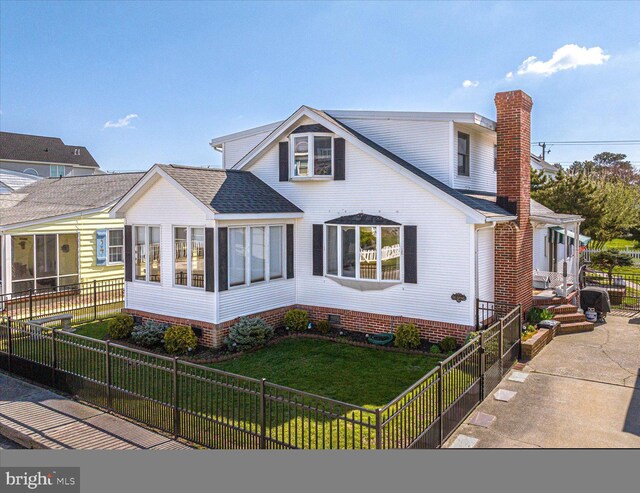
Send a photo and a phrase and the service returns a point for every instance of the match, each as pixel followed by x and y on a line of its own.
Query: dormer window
pixel 311 155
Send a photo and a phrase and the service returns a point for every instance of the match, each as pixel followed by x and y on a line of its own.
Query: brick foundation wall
pixel 371 323
pixel 514 240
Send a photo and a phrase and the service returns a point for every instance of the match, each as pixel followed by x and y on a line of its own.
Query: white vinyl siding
pixel 425 144
pixel 485 255
pixel 235 150
pixel 164 205
pixel 482 175
pixel 445 262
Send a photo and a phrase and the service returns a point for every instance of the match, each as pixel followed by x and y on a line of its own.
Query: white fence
pixel 388 252
pixel 635 254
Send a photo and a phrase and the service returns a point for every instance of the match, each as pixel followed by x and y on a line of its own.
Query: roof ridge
pixel 193 167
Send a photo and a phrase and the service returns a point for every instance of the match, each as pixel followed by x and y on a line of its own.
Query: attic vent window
pixel 311 155
pixel 76 152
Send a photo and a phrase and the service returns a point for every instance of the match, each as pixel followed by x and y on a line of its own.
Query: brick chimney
pixel 514 240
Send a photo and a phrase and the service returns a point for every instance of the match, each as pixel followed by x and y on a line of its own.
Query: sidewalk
pixel 581 391
pixel 38 418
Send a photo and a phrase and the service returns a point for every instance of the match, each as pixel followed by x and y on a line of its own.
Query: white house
pixel 366 218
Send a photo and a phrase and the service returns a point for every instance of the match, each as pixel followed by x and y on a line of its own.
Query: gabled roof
pixel 226 191
pixel 540 213
pixel 39 149
pixel 469 204
pixel 553 168
pixel 363 219
pixel 54 197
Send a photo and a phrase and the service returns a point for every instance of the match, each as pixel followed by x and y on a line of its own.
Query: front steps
pixel 571 321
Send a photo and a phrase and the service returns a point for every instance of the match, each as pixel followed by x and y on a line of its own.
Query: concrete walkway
pixel 37 418
pixel 581 391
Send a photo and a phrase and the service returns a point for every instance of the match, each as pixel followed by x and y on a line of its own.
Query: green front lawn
pixel 95 330
pixel 364 376
pixel 621 244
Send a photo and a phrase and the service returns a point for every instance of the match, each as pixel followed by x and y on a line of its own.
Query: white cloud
pixel 470 83
pixel 122 122
pixel 569 56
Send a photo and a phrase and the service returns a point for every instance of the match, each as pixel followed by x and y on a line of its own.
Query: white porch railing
pixel 388 252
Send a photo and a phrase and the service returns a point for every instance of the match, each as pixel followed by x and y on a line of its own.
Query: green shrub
pixel 527 332
pixel 180 339
pixel 150 334
pixel 296 320
pixel 536 314
pixel 435 349
pixel 448 344
pixel 407 336
pixel 471 336
pixel 248 333
pixel 323 326
pixel 120 326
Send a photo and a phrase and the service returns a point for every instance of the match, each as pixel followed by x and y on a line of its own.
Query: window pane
pixel 116 237
pixel 116 245
pixel 257 254
pixel 368 253
pixel 22 258
pixel 332 250
pixel 390 254
pixel 236 256
pixel 46 256
pixel 140 254
pixel 275 252
pixel 48 283
pixel 197 257
pixel 348 251
pixel 300 156
pixel 21 286
pixel 322 155
pixel 180 256
pixel 462 144
pixel 68 245
pixel 154 254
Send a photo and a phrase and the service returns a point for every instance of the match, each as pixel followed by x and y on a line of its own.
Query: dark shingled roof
pixel 23 147
pixel 227 191
pixel 363 219
pixel 54 197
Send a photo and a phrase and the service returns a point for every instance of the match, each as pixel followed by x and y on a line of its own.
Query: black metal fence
pixel 623 289
pixel 489 312
pixel 429 411
pixel 85 301
pixel 222 410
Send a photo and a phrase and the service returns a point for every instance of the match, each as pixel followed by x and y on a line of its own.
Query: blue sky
pixel 192 71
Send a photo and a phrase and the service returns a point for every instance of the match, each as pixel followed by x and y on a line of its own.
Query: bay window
pixel 188 256
pixel 256 254
pixel 147 253
pixel 368 253
pixel 311 155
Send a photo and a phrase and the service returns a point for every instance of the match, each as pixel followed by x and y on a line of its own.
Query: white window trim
pixel 311 156
pixel 267 251
pixel 357 240
pixel 109 247
pixel 58 276
pixel 146 246
pixel 189 252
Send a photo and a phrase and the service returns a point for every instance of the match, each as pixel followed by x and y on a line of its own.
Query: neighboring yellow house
pixel 57 232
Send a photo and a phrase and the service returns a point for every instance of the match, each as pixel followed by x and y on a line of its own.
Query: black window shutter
pixel 410 254
pixel 128 257
pixel 284 161
pixel 209 261
pixel 223 282
pixel 290 257
pixel 338 159
pixel 317 250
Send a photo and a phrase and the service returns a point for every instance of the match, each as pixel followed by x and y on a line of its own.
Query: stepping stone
pixel 482 419
pixel 464 441
pixel 518 376
pixel 504 395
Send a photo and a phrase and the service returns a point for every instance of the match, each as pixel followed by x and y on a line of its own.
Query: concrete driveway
pixel 581 391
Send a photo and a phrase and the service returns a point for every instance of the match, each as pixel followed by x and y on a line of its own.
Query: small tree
pixel 608 260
